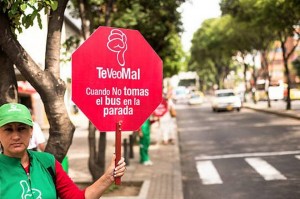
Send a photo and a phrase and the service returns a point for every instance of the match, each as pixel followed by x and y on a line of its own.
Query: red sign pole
pixel 118 149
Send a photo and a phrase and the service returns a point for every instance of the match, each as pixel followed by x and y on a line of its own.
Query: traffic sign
pixel 161 109
pixel 116 78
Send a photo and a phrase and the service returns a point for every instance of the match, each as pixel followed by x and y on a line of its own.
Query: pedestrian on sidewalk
pixel 26 173
pixel 167 122
pixel 145 140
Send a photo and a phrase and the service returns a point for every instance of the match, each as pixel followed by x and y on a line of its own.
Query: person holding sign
pixel 25 173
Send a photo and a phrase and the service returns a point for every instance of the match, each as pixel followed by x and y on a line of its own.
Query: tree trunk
pixel 245 79
pixel 254 76
pixel 96 161
pixel 267 77
pixel 287 74
pixel 85 18
pixel 101 152
pixel 8 85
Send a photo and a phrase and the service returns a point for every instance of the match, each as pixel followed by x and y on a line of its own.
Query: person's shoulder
pixel 41 154
pixel 45 158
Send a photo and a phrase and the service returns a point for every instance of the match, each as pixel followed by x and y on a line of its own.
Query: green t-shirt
pixel 15 183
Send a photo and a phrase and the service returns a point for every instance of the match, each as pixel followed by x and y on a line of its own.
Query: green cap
pixel 14 112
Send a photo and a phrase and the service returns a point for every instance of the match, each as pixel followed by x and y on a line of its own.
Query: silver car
pixel 225 99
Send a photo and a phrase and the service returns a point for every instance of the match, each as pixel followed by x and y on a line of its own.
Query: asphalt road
pixel 238 155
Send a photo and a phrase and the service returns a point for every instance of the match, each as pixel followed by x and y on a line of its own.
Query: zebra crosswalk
pixel 209 175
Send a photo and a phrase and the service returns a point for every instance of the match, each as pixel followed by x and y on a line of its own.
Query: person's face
pixel 15 138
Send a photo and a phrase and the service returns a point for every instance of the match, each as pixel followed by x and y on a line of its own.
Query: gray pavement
pixel 163 179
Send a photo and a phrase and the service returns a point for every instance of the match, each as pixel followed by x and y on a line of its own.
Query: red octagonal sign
pixel 116 77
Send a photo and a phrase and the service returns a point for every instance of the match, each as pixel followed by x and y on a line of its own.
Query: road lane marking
pixel 208 173
pixel 297 156
pixel 244 155
pixel 267 171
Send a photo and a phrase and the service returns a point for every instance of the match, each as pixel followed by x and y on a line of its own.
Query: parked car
pixel 225 99
pixel 196 98
pixel 294 92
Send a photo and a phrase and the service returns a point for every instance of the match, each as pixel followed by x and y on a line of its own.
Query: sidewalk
pixel 277 107
pixel 161 180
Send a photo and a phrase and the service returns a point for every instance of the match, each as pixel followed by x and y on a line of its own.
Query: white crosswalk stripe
pixel 297 156
pixel 267 171
pixel 208 173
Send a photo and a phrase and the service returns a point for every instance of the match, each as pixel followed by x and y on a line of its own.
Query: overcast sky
pixel 194 12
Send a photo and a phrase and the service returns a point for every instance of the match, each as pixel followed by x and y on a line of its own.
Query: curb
pixel 285 114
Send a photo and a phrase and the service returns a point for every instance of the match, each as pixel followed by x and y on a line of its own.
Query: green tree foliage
pixel 210 52
pixel 15 11
pixel 158 21
pixel 279 17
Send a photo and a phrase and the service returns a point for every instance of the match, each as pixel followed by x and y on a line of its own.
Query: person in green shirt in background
pixel 145 139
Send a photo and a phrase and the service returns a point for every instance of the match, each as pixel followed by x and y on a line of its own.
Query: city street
pixel 245 154
pixel 149 81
